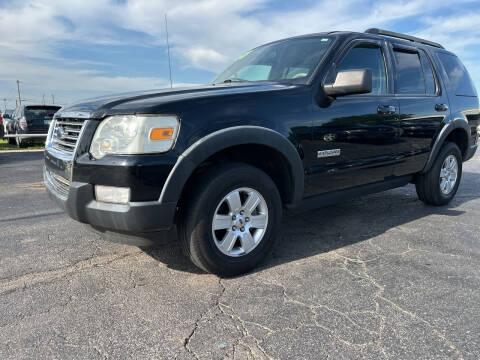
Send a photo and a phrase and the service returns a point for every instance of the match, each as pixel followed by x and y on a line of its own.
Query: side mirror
pixel 349 82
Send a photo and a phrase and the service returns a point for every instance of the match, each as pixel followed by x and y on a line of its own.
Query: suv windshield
pixel 40 112
pixel 292 59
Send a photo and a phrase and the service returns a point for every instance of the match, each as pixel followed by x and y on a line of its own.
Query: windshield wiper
pixel 233 80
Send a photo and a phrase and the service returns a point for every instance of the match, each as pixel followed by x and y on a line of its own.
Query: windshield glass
pixel 292 59
pixel 40 112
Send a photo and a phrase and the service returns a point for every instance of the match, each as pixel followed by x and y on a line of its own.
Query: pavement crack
pixel 437 332
pixel 31 279
pixel 379 295
pixel 186 341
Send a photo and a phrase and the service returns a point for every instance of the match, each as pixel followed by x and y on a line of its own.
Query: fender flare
pixel 457 123
pixel 219 140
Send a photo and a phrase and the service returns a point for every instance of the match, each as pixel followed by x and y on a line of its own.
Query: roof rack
pixel 402 36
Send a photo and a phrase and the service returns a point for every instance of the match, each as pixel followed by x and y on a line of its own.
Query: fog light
pixel 112 194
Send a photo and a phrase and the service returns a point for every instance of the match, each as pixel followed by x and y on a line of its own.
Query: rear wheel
pixel 439 185
pixel 230 220
pixel 21 142
pixel 11 141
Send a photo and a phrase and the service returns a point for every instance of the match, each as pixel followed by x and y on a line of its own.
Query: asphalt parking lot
pixel 379 277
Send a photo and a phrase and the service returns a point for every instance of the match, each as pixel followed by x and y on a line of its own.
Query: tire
pixel 11 141
pixel 21 143
pixel 203 245
pixel 429 184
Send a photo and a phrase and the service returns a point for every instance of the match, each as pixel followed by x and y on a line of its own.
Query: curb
pixel 19 151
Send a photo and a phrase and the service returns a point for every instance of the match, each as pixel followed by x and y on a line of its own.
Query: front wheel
pixel 439 185
pixel 230 220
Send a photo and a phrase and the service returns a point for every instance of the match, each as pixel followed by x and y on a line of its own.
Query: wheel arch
pixel 225 140
pixel 457 131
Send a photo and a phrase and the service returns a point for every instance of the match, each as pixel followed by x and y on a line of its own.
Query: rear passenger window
pixel 457 74
pixel 428 72
pixel 409 78
pixel 367 56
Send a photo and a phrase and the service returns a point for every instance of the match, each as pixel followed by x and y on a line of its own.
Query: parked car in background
pixel 30 119
pixel 7 116
pixel 8 113
pixel 2 129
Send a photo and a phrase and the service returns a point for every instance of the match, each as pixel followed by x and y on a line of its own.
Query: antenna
pixel 168 49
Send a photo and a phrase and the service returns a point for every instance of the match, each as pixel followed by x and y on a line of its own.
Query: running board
pixel 322 200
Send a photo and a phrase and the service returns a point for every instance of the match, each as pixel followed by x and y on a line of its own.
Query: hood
pixel 142 101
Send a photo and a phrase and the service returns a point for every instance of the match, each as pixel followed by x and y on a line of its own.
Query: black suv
pixel 30 119
pixel 295 124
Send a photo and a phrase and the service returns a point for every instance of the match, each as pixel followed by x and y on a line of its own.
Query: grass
pixel 4 145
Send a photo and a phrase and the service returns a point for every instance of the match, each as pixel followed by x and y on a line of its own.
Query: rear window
pixel 457 75
pixel 410 78
pixel 40 113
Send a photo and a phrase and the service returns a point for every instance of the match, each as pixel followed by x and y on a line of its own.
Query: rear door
pixel 423 106
pixel 355 137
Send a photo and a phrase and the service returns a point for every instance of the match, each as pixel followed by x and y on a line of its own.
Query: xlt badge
pixel 328 153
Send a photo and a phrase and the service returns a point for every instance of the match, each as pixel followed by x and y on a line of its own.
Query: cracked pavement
pixel 381 277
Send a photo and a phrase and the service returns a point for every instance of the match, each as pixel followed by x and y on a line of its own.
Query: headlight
pixel 134 134
pixel 50 132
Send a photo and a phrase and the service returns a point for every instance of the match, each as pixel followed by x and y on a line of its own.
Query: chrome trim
pixel 328 153
pixel 57 184
pixel 74 114
pixel 70 133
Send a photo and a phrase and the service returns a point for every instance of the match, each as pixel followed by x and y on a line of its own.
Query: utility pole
pixel 43 101
pixel 19 98
pixel 53 99
pixel 5 104
pixel 168 49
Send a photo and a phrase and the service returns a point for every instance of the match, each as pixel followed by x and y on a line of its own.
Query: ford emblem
pixel 60 133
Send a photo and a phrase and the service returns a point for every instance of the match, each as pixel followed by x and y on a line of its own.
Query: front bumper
pixel 80 204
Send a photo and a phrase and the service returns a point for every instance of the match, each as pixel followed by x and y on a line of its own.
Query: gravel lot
pixel 379 277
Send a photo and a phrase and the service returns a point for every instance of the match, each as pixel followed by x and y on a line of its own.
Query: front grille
pixel 57 184
pixel 65 133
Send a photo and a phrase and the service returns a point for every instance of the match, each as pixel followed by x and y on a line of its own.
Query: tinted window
pixel 457 74
pixel 291 59
pixel 367 57
pixel 40 113
pixel 410 78
pixel 254 72
pixel 428 72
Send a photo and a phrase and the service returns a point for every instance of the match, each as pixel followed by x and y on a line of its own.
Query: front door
pixel 355 137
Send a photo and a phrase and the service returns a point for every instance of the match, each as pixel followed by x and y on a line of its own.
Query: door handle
pixel 441 107
pixel 386 109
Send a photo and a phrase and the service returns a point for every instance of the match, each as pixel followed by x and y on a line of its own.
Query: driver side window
pixel 367 56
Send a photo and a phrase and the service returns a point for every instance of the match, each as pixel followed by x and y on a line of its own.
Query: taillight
pixel 23 123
